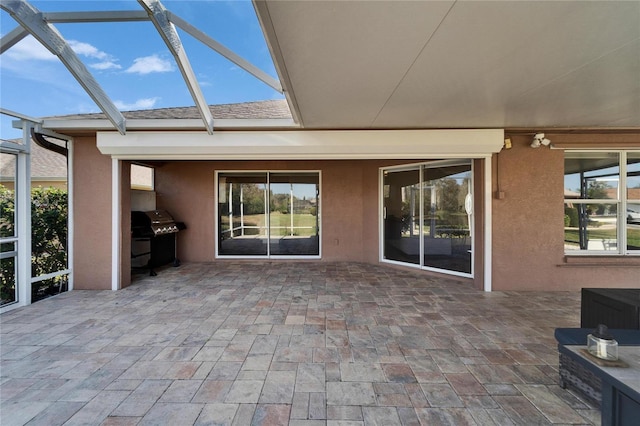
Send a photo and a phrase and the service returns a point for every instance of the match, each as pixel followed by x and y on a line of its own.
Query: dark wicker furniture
pixel 572 373
pixel 613 307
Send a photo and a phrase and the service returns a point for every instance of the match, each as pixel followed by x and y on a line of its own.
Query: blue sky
pixel 131 62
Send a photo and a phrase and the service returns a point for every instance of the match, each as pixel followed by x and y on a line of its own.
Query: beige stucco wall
pixel 92 216
pixel 349 205
pixel 528 225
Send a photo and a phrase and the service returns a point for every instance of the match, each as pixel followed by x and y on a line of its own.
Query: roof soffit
pixel 476 64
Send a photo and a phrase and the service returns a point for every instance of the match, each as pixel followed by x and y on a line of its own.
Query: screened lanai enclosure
pixel 36 248
pixel 34 219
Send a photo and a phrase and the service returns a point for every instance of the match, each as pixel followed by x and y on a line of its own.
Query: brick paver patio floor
pixel 288 343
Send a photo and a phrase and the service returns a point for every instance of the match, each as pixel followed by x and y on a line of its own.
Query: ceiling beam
pixel 227 53
pixel 12 38
pixel 183 124
pixel 31 20
pixel 159 16
pixel 24 117
pixel 270 37
pixel 140 15
pixel 96 16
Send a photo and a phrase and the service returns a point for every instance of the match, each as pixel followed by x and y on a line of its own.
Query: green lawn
pixel 633 236
pixel 280 223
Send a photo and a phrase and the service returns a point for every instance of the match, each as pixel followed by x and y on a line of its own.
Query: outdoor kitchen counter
pixel 620 386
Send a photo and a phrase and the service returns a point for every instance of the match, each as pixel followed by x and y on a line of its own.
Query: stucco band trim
pixel 302 145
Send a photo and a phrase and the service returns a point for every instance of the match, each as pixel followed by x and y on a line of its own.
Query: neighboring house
pixel 411 126
pixel 48 169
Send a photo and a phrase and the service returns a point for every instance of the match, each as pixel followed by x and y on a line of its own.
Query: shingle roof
pixel 48 164
pixel 247 110
pixel 45 164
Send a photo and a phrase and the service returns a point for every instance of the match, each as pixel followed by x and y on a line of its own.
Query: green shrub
pixel 572 212
pixel 7 215
pixel 49 212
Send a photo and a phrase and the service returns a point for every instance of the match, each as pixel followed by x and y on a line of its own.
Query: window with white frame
pixel 602 202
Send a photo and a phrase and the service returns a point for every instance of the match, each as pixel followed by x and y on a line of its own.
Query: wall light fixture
pixel 539 139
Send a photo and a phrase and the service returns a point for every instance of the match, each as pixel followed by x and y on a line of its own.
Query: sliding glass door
pixel 293 218
pixel 268 214
pixel 242 219
pixel 427 216
pixel 401 215
pixel 447 218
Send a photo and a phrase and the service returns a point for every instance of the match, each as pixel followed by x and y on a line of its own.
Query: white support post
pixel 421 192
pixel 23 218
pixel 267 214
pixel 488 231
pixel 622 203
pixel 291 208
pixel 115 224
pixel 241 211
pixel 231 210
pixel 70 209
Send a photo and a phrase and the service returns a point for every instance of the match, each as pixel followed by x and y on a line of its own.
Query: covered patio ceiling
pixel 457 64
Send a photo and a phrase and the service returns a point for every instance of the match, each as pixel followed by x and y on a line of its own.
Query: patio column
pixel 23 219
pixel 488 231
pixel 116 220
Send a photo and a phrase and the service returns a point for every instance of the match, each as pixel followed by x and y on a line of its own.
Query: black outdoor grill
pixel 154 235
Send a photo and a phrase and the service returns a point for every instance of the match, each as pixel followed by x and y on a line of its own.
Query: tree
pixel 49 213
pixel 448 190
pixel 598 190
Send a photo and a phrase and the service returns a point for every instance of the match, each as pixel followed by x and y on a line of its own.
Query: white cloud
pixel 106 65
pixel 144 103
pixel 87 50
pixel 30 49
pixel 149 64
pixel 107 61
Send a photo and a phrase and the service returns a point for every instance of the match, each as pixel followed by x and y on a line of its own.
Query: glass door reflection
pixel 242 221
pixel 447 206
pixel 293 214
pixel 402 215
pixel 268 214
pixel 427 216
